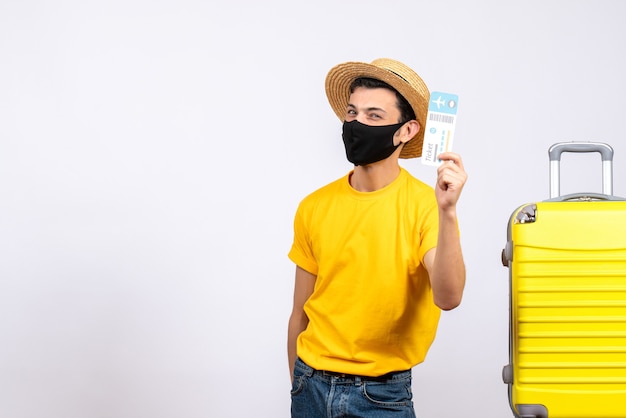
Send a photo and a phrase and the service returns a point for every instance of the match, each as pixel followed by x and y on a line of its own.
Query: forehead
pixel 380 98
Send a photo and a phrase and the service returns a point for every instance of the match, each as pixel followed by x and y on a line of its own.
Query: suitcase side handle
pixel 605 150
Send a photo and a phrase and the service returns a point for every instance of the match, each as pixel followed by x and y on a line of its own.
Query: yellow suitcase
pixel 567 269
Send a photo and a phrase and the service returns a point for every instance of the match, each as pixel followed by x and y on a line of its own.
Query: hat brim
pixel 397 75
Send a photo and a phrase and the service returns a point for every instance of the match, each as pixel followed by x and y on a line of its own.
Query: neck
pixel 372 177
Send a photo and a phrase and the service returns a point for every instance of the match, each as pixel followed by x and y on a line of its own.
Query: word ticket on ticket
pixel 440 123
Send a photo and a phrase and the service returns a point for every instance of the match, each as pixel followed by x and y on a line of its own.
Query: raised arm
pixel 444 263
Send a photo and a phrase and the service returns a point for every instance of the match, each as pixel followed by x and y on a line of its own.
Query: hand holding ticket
pixel 439 129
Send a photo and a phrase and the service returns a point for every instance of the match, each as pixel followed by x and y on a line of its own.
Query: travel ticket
pixel 440 123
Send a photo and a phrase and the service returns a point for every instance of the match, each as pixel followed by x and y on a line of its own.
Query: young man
pixel 377 253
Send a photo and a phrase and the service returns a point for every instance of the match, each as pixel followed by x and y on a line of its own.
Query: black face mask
pixel 367 144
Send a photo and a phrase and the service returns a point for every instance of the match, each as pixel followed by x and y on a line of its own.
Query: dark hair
pixel 406 111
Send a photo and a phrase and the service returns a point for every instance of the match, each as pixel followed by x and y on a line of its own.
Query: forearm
pixel 448 276
pixel 297 324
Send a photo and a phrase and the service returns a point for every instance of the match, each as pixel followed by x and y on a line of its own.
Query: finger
pixel 450 175
pixel 451 157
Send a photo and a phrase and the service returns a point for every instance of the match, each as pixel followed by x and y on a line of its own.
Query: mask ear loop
pixel 408 128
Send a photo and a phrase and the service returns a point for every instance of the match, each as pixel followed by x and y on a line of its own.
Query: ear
pixel 408 130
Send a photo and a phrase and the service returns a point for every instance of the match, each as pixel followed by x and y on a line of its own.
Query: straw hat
pixel 397 75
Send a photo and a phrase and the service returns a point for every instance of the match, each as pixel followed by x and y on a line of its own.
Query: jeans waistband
pixel 398 375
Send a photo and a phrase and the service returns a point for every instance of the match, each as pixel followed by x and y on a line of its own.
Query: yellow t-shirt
pixel 371 311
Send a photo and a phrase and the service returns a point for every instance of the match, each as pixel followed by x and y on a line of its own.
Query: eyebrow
pixel 369 109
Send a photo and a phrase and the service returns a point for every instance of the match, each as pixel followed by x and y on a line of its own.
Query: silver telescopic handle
pixel 605 151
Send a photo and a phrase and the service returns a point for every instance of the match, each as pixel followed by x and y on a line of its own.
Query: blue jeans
pixel 318 394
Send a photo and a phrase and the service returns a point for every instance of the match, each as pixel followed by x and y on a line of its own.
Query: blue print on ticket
pixel 440 123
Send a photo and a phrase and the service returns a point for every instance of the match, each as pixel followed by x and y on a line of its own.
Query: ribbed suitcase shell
pixel 567 263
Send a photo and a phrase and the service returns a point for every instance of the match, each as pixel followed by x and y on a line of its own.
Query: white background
pixel 153 153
